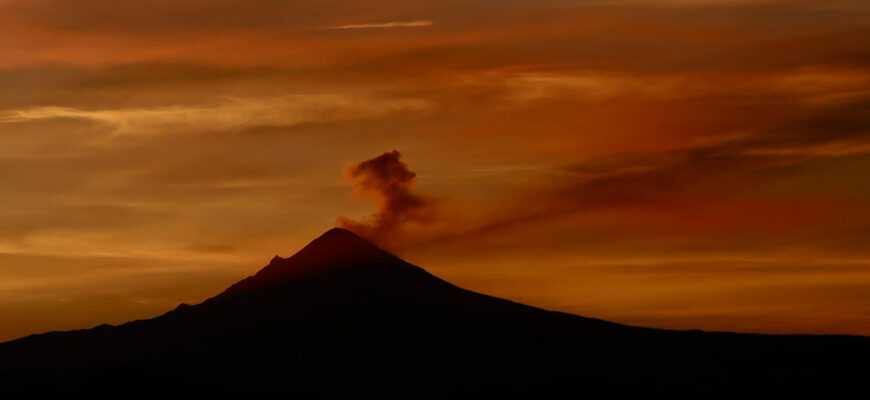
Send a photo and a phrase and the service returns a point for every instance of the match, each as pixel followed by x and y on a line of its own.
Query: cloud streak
pixel 385 25
pixel 229 114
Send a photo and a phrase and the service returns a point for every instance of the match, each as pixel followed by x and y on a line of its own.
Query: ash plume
pixel 388 181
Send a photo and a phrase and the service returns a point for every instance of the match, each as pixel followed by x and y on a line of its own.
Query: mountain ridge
pixel 343 318
pixel 337 248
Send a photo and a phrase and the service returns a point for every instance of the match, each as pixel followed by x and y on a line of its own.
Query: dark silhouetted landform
pixel 345 319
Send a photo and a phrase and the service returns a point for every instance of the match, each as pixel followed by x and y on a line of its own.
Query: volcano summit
pixel 343 318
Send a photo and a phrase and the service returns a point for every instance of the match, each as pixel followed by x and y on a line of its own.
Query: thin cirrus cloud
pixel 384 25
pixel 815 86
pixel 230 113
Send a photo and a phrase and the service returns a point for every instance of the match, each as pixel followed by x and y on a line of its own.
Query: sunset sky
pixel 668 163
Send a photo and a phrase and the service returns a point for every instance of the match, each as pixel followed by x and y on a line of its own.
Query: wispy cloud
pixel 809 85
pixel 228 114
pixel 385 25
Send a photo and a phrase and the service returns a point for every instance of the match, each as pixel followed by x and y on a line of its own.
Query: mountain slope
pixel 343 318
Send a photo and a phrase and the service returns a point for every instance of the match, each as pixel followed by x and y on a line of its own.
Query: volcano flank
pixel 343 318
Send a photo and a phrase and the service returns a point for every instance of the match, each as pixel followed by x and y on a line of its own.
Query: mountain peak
pixel 336 231
pixel 336 249
pixel 340 245
pixel 336 235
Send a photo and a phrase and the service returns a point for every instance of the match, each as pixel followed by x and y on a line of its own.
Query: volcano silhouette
pixel 343 318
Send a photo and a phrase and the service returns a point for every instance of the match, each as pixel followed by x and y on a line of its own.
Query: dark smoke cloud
pixel 741 166
pixel 389 181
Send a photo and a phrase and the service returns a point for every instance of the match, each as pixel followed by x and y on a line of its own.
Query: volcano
pixel 343 318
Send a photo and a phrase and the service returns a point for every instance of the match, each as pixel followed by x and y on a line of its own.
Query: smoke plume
pixel 388 181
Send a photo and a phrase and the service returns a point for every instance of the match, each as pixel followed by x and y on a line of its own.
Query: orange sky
pixel 678 164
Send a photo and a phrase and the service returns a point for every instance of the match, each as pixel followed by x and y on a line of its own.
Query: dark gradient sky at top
pixel 679 164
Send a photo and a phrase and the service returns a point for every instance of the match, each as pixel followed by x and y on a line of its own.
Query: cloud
pixel 389 181
pixel 810 86
pixel 737 182
pixel 231 113
pixel 385 25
